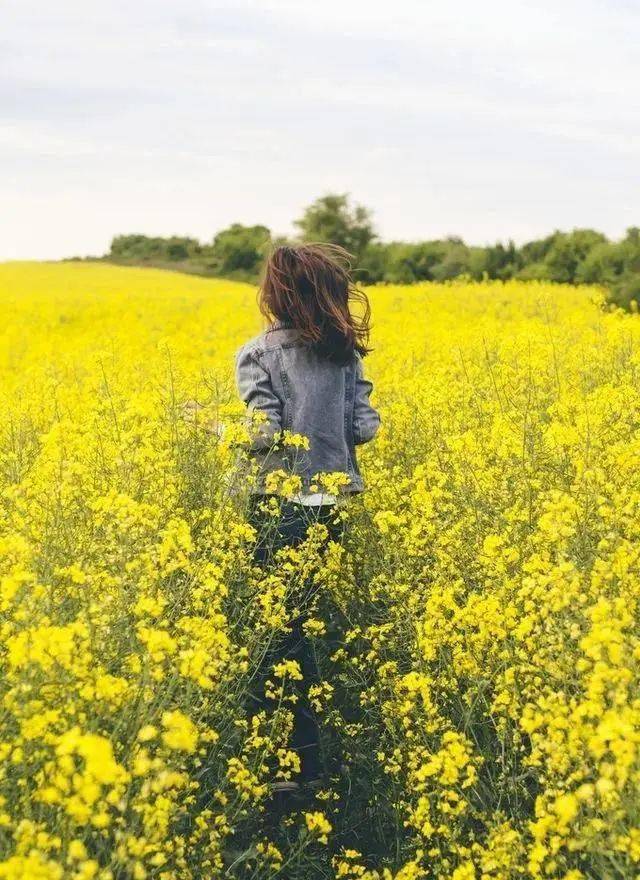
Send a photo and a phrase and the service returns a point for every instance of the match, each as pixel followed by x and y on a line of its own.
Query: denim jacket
pixel 300 391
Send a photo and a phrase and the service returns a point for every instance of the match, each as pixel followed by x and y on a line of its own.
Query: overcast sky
pixel 490 119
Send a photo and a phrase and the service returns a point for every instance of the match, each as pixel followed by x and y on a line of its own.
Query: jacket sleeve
pixel 255 389
pixel 366 420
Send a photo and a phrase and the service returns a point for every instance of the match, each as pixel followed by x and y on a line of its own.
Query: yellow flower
pixel 288 669
pixel 318 826
pixel 179 732
pixel 477 630
pixel 77 850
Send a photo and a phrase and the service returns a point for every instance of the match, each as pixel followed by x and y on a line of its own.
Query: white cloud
pixel 489 120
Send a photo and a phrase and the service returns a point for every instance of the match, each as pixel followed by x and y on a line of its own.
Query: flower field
pixel 477 633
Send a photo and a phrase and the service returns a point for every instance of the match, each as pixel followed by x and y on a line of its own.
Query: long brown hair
pixel 310 287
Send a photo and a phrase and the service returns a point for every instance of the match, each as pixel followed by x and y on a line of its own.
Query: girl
pixel 304 374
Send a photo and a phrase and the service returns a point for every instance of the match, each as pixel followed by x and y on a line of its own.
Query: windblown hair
pixel 310 288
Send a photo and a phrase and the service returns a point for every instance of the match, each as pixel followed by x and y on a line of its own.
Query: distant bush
pixel 237 252
pixel 332 218
pixel 141 247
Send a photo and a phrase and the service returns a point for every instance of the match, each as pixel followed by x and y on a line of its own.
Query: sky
pixel 492 120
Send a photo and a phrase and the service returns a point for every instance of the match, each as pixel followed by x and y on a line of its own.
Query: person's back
pixel 304 373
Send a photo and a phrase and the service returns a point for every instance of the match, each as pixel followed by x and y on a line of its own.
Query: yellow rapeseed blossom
pixel 318 826
pixel 477 634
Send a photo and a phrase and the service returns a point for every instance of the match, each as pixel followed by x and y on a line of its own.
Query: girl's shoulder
pixel 250 345
pixel 273 337
pixel 256 343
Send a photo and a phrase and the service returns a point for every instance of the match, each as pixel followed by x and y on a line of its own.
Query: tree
pixel 238 251
pixel 455 260
pixel 400 263
pixel 500 261
pixel 534 272
pixel 137 248
pixel 624 275
pixel 631 250
pixel 179 248
pixel 580 256
pixel 536 251
pixel 373 264
pixel 604 264
pixel 568 252
pixel 331 218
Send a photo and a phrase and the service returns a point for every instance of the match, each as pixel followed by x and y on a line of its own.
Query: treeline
pixel 579 256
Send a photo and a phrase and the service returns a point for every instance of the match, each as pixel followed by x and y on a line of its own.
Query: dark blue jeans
pixel 289 530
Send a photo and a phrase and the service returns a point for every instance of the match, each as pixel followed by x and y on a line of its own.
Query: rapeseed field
pixel 477 632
